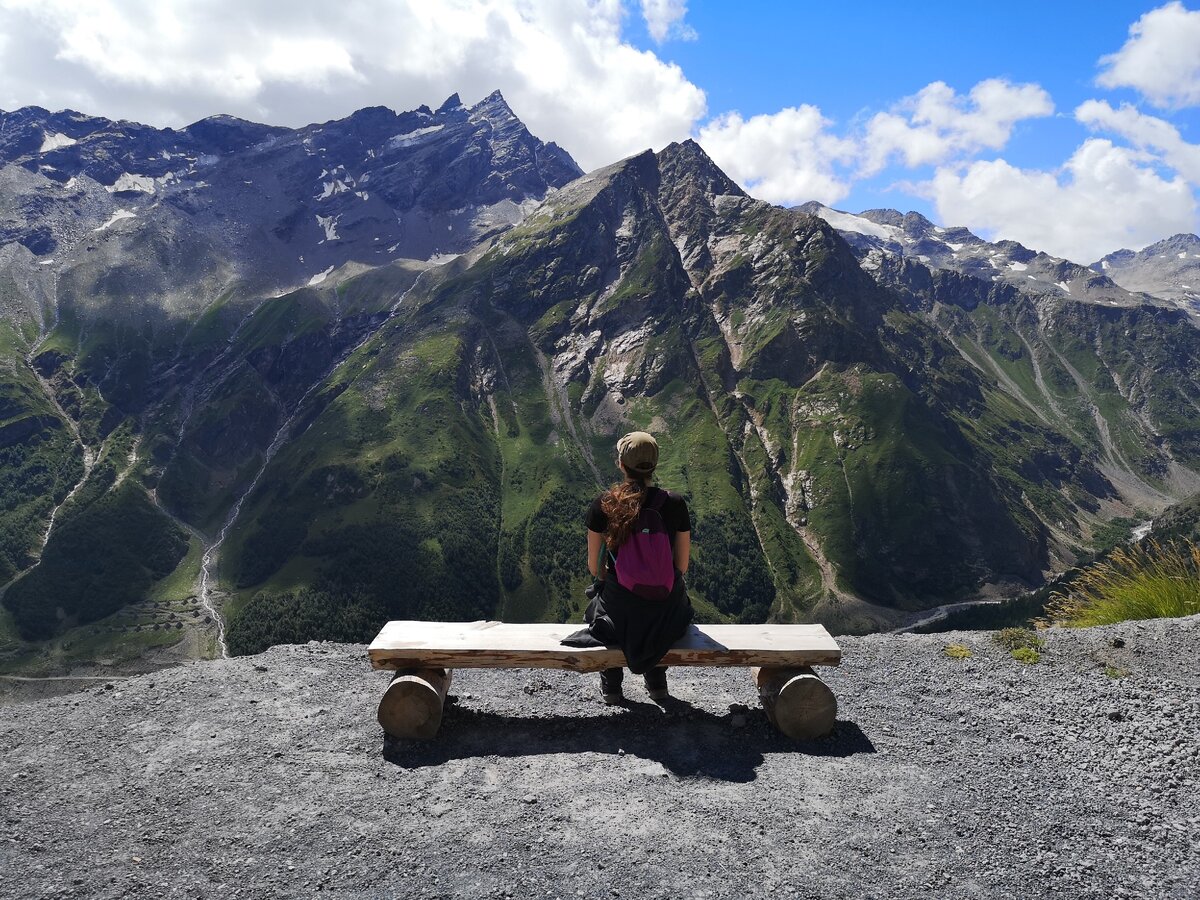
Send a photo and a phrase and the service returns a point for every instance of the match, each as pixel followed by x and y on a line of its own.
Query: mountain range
pixel 296 381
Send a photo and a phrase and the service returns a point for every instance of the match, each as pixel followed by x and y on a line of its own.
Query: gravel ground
pixel 268 776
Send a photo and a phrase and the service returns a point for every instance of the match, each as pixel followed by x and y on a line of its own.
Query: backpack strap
pixel 602 564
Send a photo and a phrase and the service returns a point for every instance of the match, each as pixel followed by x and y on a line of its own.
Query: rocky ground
pixel 267 776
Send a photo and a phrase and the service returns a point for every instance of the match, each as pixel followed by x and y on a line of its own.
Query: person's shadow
pixel 688 742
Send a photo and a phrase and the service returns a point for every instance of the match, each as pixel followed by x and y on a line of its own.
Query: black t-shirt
pixel 674 515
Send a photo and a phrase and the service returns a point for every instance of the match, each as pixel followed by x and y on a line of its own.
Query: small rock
pixel 1116 715
pixel 1118 643
pixel 529 798
pixel 260 668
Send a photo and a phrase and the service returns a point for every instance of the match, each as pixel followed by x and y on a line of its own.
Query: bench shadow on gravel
pixel 688 742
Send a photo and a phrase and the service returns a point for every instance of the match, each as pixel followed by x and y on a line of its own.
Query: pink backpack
pixel 645 563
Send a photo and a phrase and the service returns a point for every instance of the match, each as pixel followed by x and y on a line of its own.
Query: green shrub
pixel 1026 655
pixel 1019 639
pixel 958 651
pixel 1116 672
pixel 1144 581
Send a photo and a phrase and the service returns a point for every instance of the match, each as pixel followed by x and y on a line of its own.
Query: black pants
pixel 610 679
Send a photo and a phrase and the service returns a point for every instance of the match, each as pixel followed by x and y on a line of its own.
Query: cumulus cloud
pixel 1146 133
pixel 786 157
pixel 1104 198
pixel 664 19
pixel 937 123
pixel 797 154
pixel 563 65
pixel 1161 59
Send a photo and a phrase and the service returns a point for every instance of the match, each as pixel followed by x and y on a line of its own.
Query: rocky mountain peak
pixel 452 102
pixel 494 109
pixel 228 134
pixel 1169 269
pixel 892 217
pixel 876 234
pixel 915 222
pixel 369 188
pixel 1181 241
pixel 687 162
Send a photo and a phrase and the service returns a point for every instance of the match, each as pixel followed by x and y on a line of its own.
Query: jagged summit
pixel 370 187
pixel 494 99
pixel 688 161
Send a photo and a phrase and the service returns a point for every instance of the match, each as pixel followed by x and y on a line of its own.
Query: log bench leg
pixel 411 707
pixel 796 701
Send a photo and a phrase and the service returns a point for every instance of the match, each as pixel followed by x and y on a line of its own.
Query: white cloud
pixel 1161 59
pixel 1105 198
pixel 664 19
pixel 1146 133
pixel 937 123
pixel 787 157
pixel 562 64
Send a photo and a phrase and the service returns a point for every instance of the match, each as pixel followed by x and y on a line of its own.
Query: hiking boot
pixel 612 698
pixel 610 686
pixel 656 684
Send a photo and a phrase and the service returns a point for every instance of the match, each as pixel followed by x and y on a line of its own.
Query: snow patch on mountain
pixel 847 222
pixel 877 234
pixel 52 140
pixel 337 186
pixel 116 217
pixel 329 225
pixel 409 138
pixel 319 277
pixel 129 182
pixel 1165 269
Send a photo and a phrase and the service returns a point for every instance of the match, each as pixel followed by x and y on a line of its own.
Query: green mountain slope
pixel 421 440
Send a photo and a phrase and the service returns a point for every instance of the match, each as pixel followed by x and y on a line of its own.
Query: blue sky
pixel 855 59
pixel 1071 127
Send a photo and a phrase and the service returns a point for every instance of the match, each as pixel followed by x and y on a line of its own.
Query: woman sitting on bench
pixel 639 541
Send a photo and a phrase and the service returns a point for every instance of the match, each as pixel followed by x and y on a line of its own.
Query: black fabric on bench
pixel 644 629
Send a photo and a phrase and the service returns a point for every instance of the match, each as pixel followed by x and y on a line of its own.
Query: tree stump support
pixel 796 701
pixel 412 705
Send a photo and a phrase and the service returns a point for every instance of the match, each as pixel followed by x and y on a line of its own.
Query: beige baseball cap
pixel 638 452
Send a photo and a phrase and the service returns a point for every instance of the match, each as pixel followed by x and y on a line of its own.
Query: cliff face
pixel 268 777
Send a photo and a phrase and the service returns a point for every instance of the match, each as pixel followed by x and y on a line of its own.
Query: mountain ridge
pixel 860 434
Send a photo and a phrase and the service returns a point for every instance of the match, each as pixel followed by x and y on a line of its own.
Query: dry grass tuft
pixel 1142 581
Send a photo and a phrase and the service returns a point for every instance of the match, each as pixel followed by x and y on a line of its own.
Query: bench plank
pixel 491 645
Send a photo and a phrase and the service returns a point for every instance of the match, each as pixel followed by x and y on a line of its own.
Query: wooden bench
pixel 424 655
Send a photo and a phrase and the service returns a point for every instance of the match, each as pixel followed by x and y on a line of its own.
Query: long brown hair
pixel 622 503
